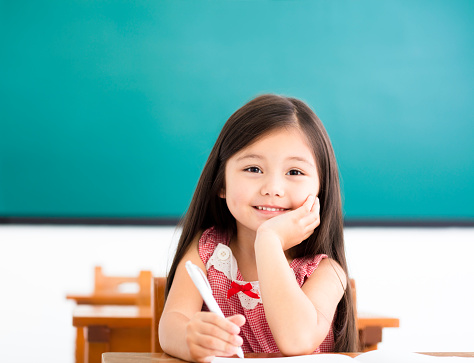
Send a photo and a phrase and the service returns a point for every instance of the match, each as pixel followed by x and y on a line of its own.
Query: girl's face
pixel 269 177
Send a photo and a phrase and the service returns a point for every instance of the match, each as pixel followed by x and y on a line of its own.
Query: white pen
pixel 202 284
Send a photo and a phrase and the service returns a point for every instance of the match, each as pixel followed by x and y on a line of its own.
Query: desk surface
pixel 165 358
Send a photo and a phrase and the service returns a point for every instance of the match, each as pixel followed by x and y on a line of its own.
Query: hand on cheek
pixel 293 227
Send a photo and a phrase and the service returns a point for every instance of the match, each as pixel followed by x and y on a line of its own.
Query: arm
pixel 289 309
pixel 188 333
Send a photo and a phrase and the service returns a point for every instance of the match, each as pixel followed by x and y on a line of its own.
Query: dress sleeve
pixel 207 244
pixel 304 267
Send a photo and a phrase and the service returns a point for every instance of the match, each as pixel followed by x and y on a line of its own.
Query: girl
pixel 265 224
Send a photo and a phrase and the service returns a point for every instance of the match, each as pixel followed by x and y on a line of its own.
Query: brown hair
pixel 252 121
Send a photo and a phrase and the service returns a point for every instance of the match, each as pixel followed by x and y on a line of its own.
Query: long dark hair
pixel 252 121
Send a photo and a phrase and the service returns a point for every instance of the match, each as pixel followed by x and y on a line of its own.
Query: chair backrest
pixel 354 295
pixel 140 285
pixel 157 304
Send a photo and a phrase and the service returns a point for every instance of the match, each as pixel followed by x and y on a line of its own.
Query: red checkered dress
pixel 222 270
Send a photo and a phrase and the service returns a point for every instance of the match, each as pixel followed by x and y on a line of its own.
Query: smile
pixel 270 209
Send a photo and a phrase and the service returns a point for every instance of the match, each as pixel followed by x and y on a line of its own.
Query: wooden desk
pixel 128 329
pixel 370 329
pixel 165 358
pixel 117 298
pixel 113 329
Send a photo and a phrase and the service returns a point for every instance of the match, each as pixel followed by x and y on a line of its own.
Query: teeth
pixel 271 209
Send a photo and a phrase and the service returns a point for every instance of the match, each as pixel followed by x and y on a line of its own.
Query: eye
pixel 253 169
pixel 294 172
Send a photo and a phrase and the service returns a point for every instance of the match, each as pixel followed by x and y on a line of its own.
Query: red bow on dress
pixel 244 288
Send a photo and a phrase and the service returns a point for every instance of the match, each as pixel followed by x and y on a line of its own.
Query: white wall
pixel 425 277
pixel 422 276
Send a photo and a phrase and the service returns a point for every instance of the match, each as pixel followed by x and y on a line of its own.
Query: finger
pixel 309 224
pixel 316 206
pixel 203 345
pixel 200 354
pixel 216 346
pixel 205 355
pixel 313 226
pixel 237 319
pixel 225 324
pixel 222 339
pixel 305 207
pixel 308 204
pixel 222 329
pixel 314 221
pixel 313 215
pixel 314 209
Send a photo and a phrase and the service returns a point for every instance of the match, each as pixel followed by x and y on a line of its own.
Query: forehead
pixel 284 142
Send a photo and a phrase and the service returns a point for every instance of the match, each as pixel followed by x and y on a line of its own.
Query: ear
pixel 222 193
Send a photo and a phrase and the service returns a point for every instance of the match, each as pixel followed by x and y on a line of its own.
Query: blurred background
pixel 109 109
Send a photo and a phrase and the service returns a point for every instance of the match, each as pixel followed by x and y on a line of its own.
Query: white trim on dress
pixel 224 261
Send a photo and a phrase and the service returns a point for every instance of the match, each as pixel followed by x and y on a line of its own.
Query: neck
pixel 242 246
pixel 243 243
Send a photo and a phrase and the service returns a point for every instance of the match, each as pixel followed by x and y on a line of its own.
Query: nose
pixel 273 185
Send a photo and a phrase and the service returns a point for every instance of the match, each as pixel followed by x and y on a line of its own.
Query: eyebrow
pixel 291 158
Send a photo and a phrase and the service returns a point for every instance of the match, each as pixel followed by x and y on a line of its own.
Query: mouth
pixel 270 209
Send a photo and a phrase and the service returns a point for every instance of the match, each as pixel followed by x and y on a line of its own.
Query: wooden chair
pixel 109 290
pixel 114 285
pixel 112 290
pixel 354 295
pixel 157 304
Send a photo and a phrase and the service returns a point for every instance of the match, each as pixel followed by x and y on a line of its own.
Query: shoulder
pixel 329 278
pixel 304 267
pixel 192 252
pixel 332 271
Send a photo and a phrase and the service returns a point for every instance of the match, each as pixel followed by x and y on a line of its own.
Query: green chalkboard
pixel 110 108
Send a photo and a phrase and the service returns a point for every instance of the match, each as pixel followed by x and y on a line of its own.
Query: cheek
pixel 236 194
pixel 303 191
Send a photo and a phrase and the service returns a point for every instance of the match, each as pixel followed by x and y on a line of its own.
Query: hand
pixel 209 335
pixel 293 227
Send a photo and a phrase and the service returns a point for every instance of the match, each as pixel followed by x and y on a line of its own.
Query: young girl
pixel 265 225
